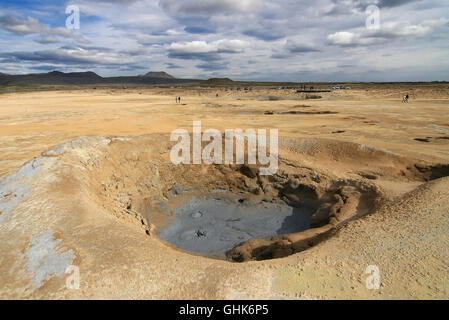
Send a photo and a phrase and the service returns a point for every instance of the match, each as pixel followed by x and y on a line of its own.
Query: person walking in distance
pixel 405 99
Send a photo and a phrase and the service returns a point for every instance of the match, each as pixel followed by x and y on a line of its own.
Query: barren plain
pixel 86 180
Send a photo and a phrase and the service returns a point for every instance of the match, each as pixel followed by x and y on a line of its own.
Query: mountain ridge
pixel 158 74
pixel 88 78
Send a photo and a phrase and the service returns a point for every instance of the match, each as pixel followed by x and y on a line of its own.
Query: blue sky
pixel 285 40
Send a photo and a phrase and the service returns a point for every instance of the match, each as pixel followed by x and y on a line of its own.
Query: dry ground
pixel 407 238
pixel 32 122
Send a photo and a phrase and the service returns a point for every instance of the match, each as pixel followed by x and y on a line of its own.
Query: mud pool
pixel 211 226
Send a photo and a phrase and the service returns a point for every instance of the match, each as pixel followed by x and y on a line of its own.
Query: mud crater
pixel 231 212
pixel 214 224
pixel 221 223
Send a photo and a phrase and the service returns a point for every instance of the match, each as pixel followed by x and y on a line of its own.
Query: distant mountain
pixel 159 74
pixel 219 82
pixel 51 78
pixel 88 78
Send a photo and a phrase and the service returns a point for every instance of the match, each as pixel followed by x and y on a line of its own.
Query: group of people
pixel 178 99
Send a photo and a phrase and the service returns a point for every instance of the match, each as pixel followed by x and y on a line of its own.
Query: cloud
pixel 194 47
pixel 349 7
pixel 293 48
pixel 74 56
pixel 84 48
pixel 45 67
pixel 121 2
pixel 298 47
pixel 208 7
pixel 219 37
pixel 30 26
pixel 172 65
pixel 205 51
pixel 394 3
pixel 47 40
pixel 263 34
pixel 134 52
pixel 343 38
pixel 212 66
pixel 198 30
pixel 386 32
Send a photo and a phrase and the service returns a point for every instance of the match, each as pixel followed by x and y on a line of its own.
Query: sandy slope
pixel 407 240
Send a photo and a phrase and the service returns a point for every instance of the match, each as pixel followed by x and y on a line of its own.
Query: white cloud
pixel 343 38
pixel 230 46
pixel 30 26
pixel 386 32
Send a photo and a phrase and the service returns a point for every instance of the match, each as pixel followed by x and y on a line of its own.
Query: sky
pixel 260 40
